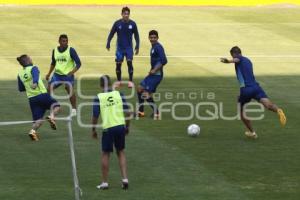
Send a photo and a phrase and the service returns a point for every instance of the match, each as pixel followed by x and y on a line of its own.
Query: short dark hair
pixel 105 81
pixel 23 60
pixel 63 36
pixel 124 9
pixel 153 32
pixel 235 50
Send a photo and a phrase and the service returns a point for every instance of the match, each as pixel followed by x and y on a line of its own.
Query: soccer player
pixel 65 63
pixel 124 28
pixel 148 86
pixel 29 80
pixel 112 107
pixel 250 89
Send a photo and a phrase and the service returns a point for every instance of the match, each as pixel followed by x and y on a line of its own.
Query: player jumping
pixel 124 28
pixel 29 80
pixel 148 86
pixel 250 89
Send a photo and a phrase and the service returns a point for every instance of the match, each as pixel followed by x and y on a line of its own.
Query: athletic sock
pixel 130 70
pixel 118 71
pixel 153 105
pixel 141 102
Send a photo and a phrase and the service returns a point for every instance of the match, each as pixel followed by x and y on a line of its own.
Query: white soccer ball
pixel 193 130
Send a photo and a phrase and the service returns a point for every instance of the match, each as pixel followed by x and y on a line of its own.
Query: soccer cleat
pixel 141 114
pixel 33 135
pixel 102 186
pixel 117 84
pixel 251 135
pixel 73 112
pixel 138 114
pixel 155 116
pixel 130 84
pixel 51 122
pixel 282 117
pixel 125 184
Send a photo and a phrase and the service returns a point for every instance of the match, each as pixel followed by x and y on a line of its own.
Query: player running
pixel 29 80
pixel 250 89
pixel 124 28
pixel 148 86
pixel 65 63
pixel 112 107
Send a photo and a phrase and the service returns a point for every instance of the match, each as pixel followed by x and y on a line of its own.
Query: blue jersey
pixel 158 57
pixel 124 31
pixel 244 72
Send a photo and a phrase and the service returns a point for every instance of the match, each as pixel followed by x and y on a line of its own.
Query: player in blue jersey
pixel 148 86
pixel 124 28
pixel 40 101
pixel 250 89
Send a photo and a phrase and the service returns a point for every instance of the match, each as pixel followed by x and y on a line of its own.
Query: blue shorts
pixel 121 53
pixel 253 92
pixel 113 136
pixel 57 80
pixel 40 104
pixel 151 82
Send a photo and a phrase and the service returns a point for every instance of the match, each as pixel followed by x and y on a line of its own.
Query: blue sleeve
pixel 96 107
pixel 136 37
pixel 35 74
pixel 125 104
pixel 53 61
pixel 21 86
pixel 111 34
pixel 162 55
pixel 75 57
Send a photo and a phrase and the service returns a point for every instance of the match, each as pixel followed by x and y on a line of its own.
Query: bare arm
pixel 52 66
pixel 50 72
pixel 94 123
pixel 225 60
pixel 156 68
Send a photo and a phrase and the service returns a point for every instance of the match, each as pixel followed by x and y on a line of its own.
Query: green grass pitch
pixel 163 162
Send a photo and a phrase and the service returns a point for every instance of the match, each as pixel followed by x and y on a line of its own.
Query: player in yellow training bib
pixel 40 101
pixel 112 107
pixel 65 63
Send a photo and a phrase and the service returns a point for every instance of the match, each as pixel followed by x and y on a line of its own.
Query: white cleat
pixel 125 184
pixel 251 135
pixel 102 186
pixel 73 112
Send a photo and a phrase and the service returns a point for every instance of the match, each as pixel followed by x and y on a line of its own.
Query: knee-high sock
pixel 130 70
pixel 153 105
pixel 141 101
pixel 118 71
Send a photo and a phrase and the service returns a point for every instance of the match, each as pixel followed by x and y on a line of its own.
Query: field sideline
pixel 164 163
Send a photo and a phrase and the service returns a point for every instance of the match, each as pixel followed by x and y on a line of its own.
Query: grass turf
pixel 163 163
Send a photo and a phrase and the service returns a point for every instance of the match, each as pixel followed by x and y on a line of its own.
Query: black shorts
pixel 114 136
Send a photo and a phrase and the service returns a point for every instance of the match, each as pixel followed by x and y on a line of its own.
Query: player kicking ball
pixel 250 89
pixel 148 86
pixel 29 80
